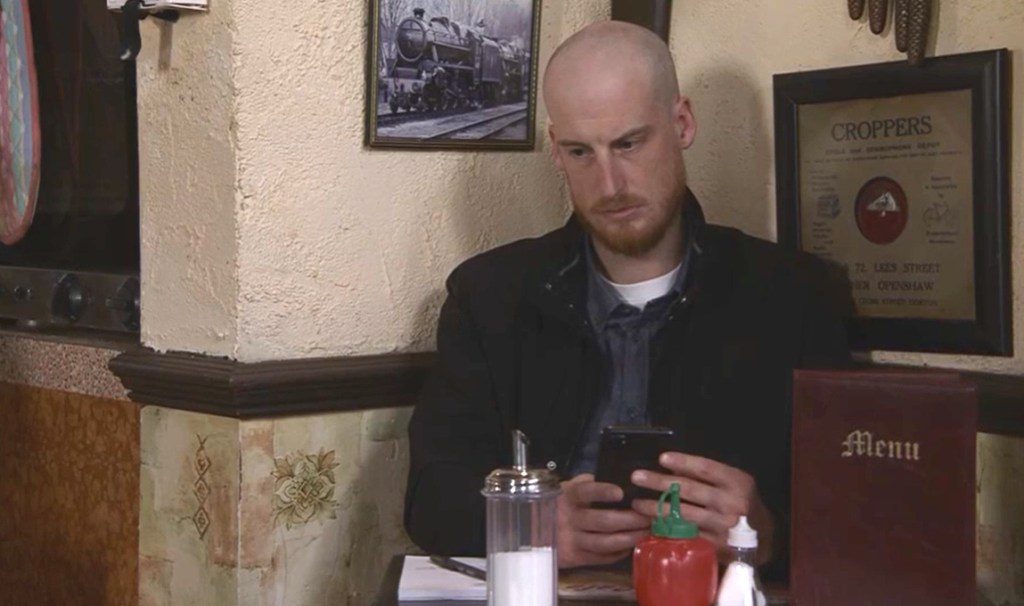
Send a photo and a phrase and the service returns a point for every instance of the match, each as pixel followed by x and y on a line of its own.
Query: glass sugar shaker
pixel 522 513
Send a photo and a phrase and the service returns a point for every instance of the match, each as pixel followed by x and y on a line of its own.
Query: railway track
pixel 483 128
pixel 479 124
pixel 403 117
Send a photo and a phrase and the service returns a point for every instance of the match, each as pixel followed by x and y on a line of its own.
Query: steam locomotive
pixel 442 64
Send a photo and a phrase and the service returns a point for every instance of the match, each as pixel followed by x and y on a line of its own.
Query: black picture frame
pixel 655 15
pixel 987 75
pixel 457 116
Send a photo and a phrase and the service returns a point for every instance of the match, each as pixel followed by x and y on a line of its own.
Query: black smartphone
pixel 623 450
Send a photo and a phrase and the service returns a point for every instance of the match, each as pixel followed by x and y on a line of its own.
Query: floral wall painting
pixel 304 488
pixel 200 488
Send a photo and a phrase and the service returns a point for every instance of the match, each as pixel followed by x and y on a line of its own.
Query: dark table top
pixel 389 593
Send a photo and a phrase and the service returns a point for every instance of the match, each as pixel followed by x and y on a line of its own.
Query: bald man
pixel 635 312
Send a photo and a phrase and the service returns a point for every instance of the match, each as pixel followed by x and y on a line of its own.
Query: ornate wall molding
pixel 224 387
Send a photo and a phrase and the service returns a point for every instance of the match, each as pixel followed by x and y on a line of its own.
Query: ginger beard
pixel 637 236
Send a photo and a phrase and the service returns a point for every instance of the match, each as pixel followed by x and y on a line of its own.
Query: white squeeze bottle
pixel 740 585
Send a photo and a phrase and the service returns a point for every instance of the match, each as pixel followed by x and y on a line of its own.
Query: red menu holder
pixel 883 489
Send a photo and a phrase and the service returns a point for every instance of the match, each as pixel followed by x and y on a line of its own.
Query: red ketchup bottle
pixel 674 566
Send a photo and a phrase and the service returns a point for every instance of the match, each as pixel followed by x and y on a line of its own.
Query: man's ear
pixel 686 123
pixel 555 156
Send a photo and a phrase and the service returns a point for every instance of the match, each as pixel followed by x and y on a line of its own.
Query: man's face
pixel 621 152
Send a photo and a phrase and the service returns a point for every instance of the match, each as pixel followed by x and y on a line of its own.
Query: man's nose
pixel 611 178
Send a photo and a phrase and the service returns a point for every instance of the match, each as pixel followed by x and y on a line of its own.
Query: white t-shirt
pixel 640 294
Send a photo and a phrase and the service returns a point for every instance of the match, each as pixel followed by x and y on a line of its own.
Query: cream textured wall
pixel 187 183
pixel 726 53
pixel 269 231
pixel 343 250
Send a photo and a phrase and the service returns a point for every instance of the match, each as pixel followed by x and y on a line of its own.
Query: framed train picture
pixel 452 74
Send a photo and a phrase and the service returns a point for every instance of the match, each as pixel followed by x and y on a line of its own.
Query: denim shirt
pixel 624 334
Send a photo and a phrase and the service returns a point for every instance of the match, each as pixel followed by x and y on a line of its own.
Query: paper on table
pixel 422 580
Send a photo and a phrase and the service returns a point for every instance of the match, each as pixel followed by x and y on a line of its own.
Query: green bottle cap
pixel 673 526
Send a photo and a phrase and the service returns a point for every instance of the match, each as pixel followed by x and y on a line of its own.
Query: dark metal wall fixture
pixel 911 22
pixel 655 15
pixel 132 13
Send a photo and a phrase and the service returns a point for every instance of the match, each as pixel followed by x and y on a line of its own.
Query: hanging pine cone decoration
pixel 918 25
pixel 878 10
pixel 911 22
pixel 856 8
pixel 901 23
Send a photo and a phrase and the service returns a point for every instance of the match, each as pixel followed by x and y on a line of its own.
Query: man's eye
pixel 627 145
pixel 577 152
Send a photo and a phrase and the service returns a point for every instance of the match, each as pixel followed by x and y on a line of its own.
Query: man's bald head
pixel 612 49
pixel 618 129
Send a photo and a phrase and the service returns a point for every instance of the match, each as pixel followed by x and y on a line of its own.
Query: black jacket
pixel 515 351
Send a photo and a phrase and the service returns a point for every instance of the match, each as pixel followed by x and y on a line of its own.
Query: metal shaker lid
pixel 511 482
pixel 519 480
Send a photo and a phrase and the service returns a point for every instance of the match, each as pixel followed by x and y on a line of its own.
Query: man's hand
pixel 714 495
pixel 593 537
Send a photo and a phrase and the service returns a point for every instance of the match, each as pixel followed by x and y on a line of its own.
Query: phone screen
pixel 623 450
